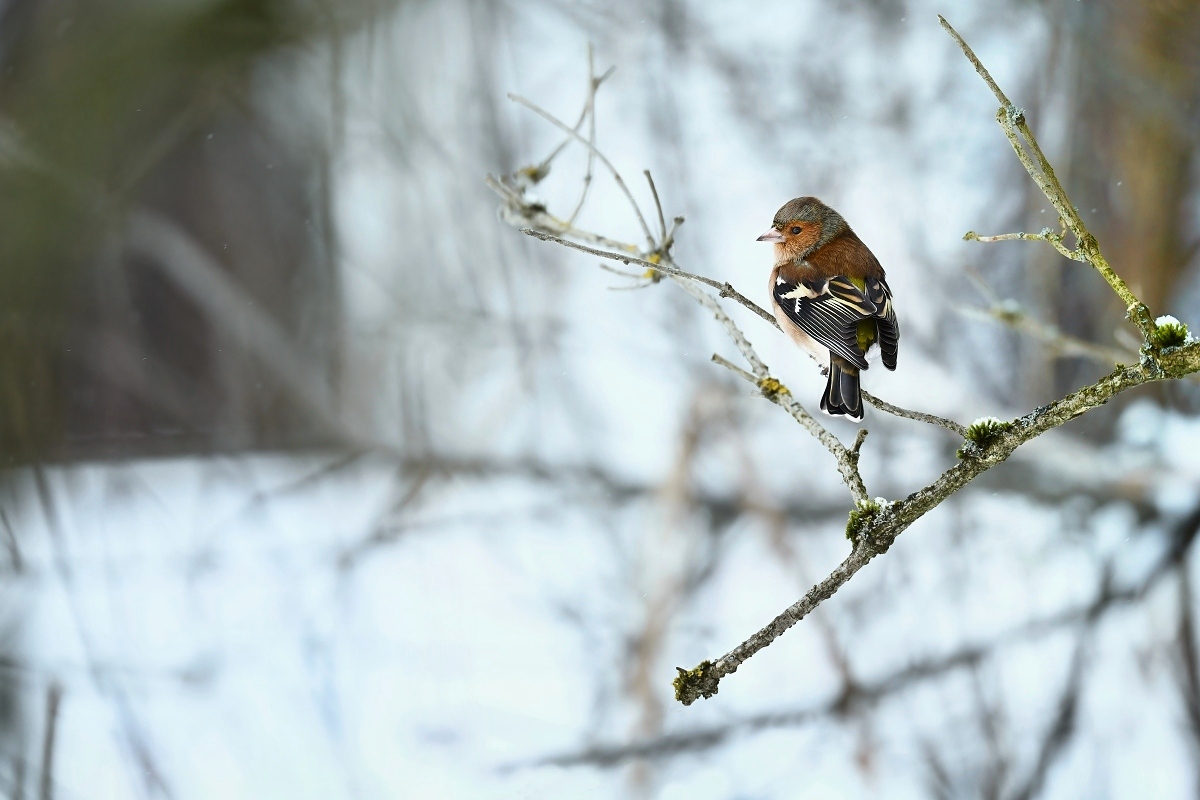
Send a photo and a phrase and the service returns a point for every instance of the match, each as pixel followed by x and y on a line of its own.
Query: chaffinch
pixel 829 295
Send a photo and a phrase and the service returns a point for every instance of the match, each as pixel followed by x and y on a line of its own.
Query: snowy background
pixel 509 500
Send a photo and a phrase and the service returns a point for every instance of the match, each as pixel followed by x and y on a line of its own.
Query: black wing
pixel 843 289
pixel 877 292
pixel 828 317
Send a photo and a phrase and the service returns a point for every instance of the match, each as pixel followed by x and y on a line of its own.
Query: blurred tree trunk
pixel 113 109
pixel 1134 139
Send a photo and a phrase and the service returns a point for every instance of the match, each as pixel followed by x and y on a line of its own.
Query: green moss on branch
pixel 859 517
pixel 692 684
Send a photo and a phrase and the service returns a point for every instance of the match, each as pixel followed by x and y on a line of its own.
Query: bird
pixel 830 295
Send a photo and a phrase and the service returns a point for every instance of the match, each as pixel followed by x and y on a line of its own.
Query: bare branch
pixel 589 109
pixel 1059 343
pixel 1008 312
pixel 631 275
pixel 725 289
pixel 54 695
pixel 781 396
pixel 1045 235
pixel 975 62
pixel 734 368
pixel 876 530
pixel 735 333
pixel 536 174
pixel 873 526
pixel 918 416
pixel 859 438
pixel 553 120
pixel 520 213
pixel 662 222
pixel 1016 129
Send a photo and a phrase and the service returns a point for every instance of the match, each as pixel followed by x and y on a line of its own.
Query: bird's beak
pixel 771 235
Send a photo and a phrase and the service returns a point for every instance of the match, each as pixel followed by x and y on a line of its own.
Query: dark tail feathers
pixel 842 398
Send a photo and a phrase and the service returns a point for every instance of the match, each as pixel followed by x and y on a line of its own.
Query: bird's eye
pixel 796 229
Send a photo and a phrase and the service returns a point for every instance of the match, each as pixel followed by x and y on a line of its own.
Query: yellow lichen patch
pixel 533 173
pixel 772 388
pixel 653 274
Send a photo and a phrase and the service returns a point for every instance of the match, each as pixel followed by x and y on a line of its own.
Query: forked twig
pixel 1012 121
pixel 591 148
pixel 725 288
pixel 590 110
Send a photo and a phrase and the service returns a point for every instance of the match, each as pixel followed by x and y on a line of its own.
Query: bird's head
pixel 802 226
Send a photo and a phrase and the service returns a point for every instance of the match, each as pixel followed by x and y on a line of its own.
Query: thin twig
pixel 631 275
pixel 594 83
pixel 975 62
pixel 590 110
pixel 520 213
pixel 859 438
pixel 917 416
pixel 1058 343
pixel 662 222
pixel 725 288
pixel 555 121
pixel 1046 235
pixel 669 239
pixel 54 694
pixel 1007 312
pixel 734 368
pixel 781 396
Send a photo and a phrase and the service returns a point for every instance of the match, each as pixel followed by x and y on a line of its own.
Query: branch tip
pixel 1016 129
pixel 858 441
pixel 692 684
